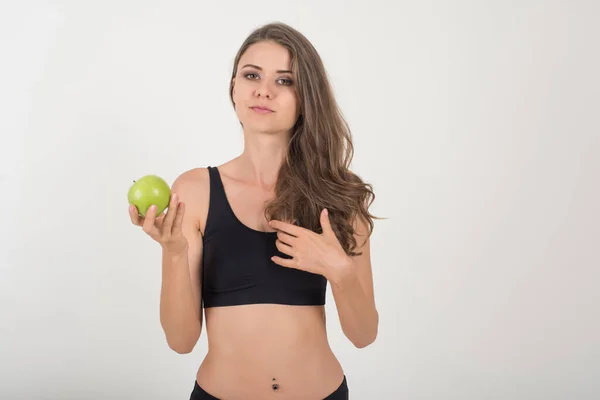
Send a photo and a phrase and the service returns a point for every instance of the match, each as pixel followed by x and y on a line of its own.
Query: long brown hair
pixel 315 174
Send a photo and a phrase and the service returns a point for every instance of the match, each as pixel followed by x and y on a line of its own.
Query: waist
pixel 254 344
pixel 258 329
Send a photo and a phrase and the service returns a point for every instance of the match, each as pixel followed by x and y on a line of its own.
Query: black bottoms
pixel 341 393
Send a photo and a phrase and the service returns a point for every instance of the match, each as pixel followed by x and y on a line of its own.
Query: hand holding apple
pixel 148 198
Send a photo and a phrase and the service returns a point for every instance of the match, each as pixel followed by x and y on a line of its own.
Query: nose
pixel 264 91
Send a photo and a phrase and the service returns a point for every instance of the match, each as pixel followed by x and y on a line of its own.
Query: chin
pixel 265 130
pixel 268 128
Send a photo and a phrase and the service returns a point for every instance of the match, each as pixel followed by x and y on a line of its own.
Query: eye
pixel 286 82
pixel 282 81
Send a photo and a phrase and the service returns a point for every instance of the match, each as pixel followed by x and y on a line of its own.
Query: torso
pixel 250 345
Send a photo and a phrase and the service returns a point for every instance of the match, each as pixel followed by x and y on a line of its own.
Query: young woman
pixel 253 242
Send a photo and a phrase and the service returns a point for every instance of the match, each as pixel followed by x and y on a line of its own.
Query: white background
pixel 476 122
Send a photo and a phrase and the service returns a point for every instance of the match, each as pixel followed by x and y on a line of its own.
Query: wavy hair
pixel 315 174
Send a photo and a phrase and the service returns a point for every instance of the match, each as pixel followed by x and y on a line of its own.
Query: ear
pixel 233 90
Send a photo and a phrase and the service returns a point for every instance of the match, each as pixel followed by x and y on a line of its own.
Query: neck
pixel 262 157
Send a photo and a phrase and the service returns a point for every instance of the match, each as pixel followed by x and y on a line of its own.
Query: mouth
pixel 262 110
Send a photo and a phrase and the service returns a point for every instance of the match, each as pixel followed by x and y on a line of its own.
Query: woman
pixel 252 243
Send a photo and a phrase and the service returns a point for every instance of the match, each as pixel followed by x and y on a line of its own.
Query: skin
pixel 250 345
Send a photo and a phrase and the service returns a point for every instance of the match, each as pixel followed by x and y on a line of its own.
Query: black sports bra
pixel 237 265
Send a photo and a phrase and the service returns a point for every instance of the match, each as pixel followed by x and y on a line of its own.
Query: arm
pixel 352 287
pixel 180 308
pixel 350 277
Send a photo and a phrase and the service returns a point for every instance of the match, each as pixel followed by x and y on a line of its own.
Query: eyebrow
pixel 281 71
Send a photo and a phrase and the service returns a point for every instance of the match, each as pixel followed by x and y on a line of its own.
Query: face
pixel 264 79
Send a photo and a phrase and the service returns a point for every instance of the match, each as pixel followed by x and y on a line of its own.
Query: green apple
pixel 149 190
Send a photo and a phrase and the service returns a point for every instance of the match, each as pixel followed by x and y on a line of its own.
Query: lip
pixel 262 110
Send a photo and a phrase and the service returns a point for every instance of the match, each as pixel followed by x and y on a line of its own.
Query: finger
pixel 148 224
pixel 170 216
pixel 178 223
pixel 286 238
pixel 288 228
pixel 325 222
pixel 134 215
pixel 289 263
pixel 284 248
pixel 158 221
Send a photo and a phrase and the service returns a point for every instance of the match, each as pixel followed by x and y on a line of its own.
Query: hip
pixel 340 393
pixel 311 374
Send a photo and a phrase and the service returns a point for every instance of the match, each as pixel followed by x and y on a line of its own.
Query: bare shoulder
pixel 193 187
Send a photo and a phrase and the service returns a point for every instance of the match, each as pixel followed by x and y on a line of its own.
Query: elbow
pixel 182 350
pixel 367 338
pixel 183 345
pixel 364 342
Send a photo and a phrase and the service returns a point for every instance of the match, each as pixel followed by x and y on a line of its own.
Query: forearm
pixel 179 315
pixel 357 312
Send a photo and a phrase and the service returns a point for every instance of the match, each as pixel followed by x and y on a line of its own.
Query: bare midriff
pixel 268 351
